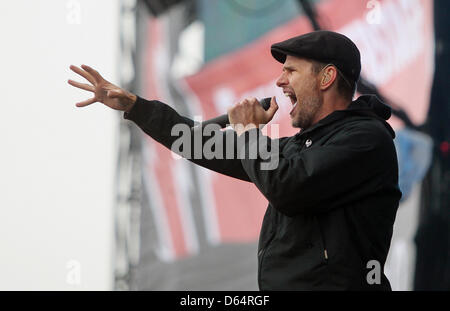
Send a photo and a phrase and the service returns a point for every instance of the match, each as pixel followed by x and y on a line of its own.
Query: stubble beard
pixel 307 110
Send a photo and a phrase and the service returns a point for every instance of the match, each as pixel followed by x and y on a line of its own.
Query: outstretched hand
pixel 104 92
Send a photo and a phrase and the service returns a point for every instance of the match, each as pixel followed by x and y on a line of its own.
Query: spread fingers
pixel 83 73
pixel 86 102
pixel 83 86
pixel 92 72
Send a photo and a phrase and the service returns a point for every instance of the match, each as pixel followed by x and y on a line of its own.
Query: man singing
pixel 333 195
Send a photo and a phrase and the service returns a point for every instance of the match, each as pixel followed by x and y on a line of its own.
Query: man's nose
pixel 281 80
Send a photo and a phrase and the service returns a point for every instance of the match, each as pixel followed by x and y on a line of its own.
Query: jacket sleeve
pixel 314 180
pixel 159 120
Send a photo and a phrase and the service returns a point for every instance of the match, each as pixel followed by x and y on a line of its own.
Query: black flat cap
pixel 323 46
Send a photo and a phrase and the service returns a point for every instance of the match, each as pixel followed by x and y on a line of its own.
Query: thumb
pixel 114 94
pixel 272 108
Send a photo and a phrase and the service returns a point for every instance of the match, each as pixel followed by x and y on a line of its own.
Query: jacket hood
pixel 372 105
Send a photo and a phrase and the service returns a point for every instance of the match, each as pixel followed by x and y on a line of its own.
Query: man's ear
pixel 329 75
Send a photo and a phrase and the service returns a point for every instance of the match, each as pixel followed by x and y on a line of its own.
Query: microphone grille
pixel 265 102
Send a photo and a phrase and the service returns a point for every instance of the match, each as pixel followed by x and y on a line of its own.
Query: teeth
pixel 291 97
pixel 293 107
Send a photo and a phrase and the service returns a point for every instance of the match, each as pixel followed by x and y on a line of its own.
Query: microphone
pixel 223 120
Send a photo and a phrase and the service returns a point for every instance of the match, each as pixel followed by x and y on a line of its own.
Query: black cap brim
pixel 278 54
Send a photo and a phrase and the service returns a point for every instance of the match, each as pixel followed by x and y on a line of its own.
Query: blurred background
pixel 88 202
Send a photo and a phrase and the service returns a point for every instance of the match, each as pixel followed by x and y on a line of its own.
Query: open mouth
pixel 293 99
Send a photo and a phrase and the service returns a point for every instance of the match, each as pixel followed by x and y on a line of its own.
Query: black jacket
pixel 332 198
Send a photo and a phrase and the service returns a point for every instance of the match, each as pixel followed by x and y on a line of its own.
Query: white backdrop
pixel 57 161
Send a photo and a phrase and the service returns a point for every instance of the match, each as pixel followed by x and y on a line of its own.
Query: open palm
pixel 104 92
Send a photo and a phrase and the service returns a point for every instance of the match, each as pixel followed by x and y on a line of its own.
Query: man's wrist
pixel 130 102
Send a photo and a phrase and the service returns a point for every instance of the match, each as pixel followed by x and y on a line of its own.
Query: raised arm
pixel 159 120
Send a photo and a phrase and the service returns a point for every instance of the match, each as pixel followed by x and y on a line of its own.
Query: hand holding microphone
pixel 245 113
